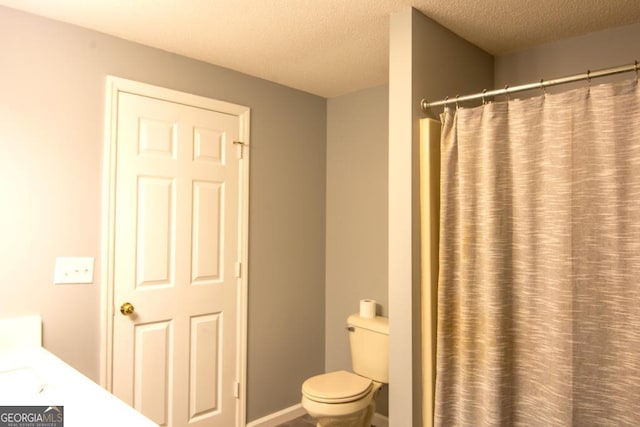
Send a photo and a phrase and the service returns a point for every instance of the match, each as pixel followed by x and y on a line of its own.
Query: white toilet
pixel 345 399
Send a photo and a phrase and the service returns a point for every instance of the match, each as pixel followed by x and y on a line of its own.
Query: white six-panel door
pixel 176 261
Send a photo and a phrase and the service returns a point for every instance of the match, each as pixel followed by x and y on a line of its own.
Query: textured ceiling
pixel 325 47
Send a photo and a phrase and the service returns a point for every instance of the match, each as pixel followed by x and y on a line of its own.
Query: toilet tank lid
pixel 376 324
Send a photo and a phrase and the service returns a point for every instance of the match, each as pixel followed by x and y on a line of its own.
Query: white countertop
pixel 32 376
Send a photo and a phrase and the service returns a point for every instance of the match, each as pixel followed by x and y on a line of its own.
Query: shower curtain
pixel 539 282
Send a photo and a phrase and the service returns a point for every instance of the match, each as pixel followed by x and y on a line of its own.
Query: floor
pixel 303 421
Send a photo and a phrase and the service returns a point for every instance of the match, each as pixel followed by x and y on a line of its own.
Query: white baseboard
pixel 295 411
pixel 380 420
pixel 280 417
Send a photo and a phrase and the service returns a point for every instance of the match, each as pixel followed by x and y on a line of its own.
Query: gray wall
pixel 603 49
pixel 426 60
pixel 356 257
pixel 52 90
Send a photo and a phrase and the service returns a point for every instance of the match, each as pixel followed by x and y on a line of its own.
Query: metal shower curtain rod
pixel 542 84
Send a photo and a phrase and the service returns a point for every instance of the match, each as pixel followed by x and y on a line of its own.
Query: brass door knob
pixel 127 308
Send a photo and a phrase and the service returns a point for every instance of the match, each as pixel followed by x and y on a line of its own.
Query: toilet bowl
pixel 340 399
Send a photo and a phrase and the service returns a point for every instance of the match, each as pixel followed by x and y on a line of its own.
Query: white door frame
pixel 115 85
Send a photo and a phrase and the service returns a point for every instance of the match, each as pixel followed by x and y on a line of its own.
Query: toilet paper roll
pixel 367 308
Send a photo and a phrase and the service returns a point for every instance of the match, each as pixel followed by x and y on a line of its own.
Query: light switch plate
pixel 73 270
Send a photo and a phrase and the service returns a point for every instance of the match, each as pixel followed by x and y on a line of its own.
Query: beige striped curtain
pixel 539 283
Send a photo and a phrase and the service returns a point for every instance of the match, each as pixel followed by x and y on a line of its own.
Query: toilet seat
pixel 336 387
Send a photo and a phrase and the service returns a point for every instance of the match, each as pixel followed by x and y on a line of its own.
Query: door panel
pixel 207 242
pixel 151 359
pixel 175 251
pixel 205 369
pixel 156 236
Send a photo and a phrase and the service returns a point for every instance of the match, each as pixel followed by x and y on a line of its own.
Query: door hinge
pixel 236 390
pixel 238 270
pixel 240 148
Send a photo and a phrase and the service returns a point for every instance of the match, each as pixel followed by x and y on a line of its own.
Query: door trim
pixel 115 85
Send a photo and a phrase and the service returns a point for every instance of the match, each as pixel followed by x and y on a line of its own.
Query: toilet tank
pixel 369 340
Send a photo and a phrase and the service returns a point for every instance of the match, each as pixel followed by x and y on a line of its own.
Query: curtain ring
pixel 457 106
pixel 589 77
pixel 484 101
pixel 506 92
pixel 635 68
pixel 543 87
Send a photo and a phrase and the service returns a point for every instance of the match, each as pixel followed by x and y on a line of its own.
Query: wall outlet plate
pixel 72 270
